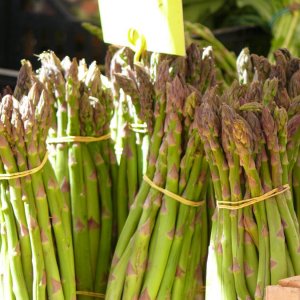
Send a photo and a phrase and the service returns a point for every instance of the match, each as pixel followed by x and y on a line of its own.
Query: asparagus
pixel 53 69
pixel 291 231
pixel 6 278
pixel 55 199
pixel 10 166
pixel 166 284
pixel 167 215
pixel 144 272
pixel 137 264
pixel 156 139
pixel 78 204
pixel 91 183
pixel 38 287
pixel 54 285
pixel 13 248
pixel 84 108
pixel 237 230
pixel 122 195
pixel 209 130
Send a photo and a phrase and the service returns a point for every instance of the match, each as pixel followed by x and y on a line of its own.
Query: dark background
pixel 28 27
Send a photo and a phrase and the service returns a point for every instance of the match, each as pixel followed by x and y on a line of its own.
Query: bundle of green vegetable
pixel 85 170
pixel 133 93
pixel 36 252
pixel 287 70
pixel 253 243
pixel 161 251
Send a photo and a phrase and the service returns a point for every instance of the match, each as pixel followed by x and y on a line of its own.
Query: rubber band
pixel 247 202
pixel 91 294
pixel 138 43
pixel 172 195
pixel 24 173
pixel 79 139
pixel 139 128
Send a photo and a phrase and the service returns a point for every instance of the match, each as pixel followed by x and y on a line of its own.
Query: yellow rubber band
pixel 247 202
pixel 138 43
pixel 172 195
pixel 80 139
pixel 91 294
pixel 24 173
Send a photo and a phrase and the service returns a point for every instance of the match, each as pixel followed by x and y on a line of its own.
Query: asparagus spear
pixel 237 230
pixel 13 246
pixel 105 189
pixel 54 70
pixel 81 243
pixel 91 183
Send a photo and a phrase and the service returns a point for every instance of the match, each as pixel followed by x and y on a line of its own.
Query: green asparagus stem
pixel 242 139
pixel 90 181
pixel 13 245
pixel 6 280
pixel 122 197
pixel 81 243
pixel 181 269
pixel 93 206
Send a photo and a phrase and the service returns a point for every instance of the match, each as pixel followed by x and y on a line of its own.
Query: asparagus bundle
pixel 244 134
pixel 133 93
pixel 287 70
pixel 85 171
pixel 162 248
pixel 35 249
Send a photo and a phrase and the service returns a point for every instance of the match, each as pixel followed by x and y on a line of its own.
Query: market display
pixel 169 177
